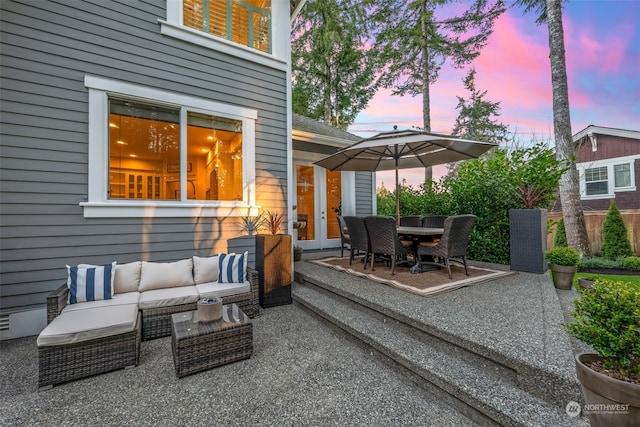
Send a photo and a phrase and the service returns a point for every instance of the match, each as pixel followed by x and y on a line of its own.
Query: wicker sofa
pixel 89 338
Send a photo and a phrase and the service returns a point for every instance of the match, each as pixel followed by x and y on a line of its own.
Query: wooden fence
pixel 594 221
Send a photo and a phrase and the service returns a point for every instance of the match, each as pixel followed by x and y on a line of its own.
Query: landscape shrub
pixel 600 262
pixel 563 255
pixel 607 317
pixel 487 188
pixel 631 263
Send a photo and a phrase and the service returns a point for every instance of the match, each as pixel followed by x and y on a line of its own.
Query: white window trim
pixel 609 164
pixel 173 27
pixel 98 204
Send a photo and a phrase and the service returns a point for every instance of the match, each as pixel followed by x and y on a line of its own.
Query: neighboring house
pixel 608 163
pixel 138 131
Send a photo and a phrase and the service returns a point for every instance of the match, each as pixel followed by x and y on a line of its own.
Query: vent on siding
pixel 4 322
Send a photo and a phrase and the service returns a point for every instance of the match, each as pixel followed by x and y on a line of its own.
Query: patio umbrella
pixel 403 149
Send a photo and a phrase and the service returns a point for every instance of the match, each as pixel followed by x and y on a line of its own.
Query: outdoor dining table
pixel 417 234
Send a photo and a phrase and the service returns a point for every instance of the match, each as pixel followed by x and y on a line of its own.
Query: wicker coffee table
pixel 198 346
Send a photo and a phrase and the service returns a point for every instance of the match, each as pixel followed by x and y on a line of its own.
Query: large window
pixel 144 154
pixel 180 155
pixel 603 178
pixel 246 22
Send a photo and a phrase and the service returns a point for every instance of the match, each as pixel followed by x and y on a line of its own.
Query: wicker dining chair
pixel 433 221
pixel 411 221
pixel 453 244
pixel 345 238
pixel 359 238
pixel 385 243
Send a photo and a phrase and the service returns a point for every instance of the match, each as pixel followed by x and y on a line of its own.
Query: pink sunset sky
pixel 602 42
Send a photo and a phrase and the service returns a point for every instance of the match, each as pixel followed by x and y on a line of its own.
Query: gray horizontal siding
pixel 364 193
pixel 47 49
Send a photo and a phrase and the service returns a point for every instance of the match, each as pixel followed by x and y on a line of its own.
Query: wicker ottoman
pixel 198 346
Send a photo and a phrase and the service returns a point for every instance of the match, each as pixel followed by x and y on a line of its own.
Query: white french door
pixel 318 199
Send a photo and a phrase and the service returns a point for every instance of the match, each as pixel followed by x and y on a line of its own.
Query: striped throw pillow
pixel 90 284
pixel 232 268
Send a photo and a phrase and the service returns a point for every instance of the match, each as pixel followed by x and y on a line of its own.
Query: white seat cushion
pixel 168 297
pixel 215 289
pixel 84 325
pixel 117 299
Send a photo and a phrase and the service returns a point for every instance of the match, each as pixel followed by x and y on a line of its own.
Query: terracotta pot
pixel 609 402
pixel 563 275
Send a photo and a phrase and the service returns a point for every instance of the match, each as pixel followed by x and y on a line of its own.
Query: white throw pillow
pixel 205 269
pixel 160 275
pixel 127 277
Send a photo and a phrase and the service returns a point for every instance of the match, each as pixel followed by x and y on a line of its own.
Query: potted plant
pixel 251 224
pixel 535 177
pixel 273 262
pixel 563 262
pixel 607 317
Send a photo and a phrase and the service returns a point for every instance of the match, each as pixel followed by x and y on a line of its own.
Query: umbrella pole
pixel 397 196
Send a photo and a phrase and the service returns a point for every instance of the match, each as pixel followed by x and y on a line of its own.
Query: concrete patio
pixel 306 371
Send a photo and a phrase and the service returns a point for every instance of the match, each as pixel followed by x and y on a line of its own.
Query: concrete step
pixel 487 391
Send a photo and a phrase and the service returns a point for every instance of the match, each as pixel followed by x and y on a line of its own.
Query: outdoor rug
pixel 427 283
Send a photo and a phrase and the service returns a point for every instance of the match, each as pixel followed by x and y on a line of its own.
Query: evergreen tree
pixel 475 115
pixel 335 72
pixel 615 242
pixel 561 234
pixel 416 43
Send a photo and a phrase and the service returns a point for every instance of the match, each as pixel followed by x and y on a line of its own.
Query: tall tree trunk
pixel 327 95
pixel 565 149
pixel 426 96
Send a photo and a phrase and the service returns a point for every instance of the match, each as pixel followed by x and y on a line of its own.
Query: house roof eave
pixel 601 130
pixel 319 139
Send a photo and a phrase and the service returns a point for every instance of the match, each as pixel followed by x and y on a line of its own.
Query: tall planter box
pixel 528 240
pixel 273 263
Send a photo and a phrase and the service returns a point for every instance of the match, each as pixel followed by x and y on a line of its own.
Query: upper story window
pixel 252 30
pixel 246 22
pixel 164 154
pixel 602 178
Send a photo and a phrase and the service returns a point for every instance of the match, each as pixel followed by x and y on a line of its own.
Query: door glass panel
pixel 305 201
pixel 334 203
